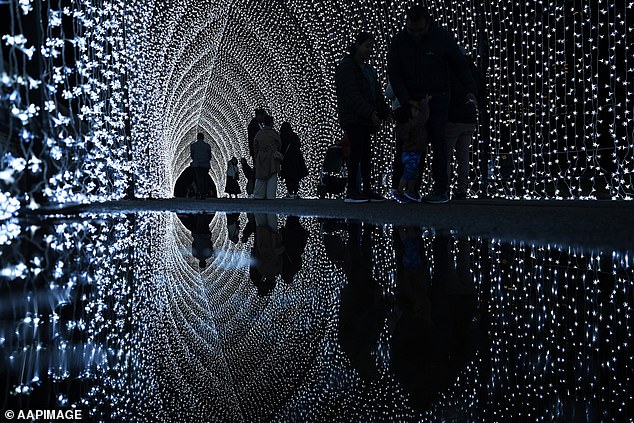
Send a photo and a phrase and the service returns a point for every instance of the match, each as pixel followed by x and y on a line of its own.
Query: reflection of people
pixel 295 237
pixel 249 228
pixel 200 153
pixel 202 245
pixel 267 252
pixel 433 338
pixel 233 227
pixel 363 309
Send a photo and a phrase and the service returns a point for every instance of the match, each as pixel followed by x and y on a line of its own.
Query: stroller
pixel 333 175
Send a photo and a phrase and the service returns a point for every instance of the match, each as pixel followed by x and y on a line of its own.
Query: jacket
pixel 266 143
pixel 459 111
pixel 356 98
pixel 413 133
pixel 200 153
pixel 419 68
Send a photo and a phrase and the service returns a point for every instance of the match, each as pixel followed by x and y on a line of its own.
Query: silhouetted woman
pixel 293 166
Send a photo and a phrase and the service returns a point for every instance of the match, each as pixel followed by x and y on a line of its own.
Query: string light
pixel 557 124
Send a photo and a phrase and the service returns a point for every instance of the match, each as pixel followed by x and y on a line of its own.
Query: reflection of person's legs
pixel 462 156
pixel 438 111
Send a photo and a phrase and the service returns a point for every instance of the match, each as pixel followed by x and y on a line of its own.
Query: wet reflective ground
pixel 258 317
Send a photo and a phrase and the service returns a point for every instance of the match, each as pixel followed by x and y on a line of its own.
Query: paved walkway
pixel 590 224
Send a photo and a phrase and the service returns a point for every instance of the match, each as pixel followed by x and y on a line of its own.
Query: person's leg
pixel 397 164
pixel 259 191
pixel 355 137
pixel 452 131
pixel 438 111
pixel 462 157
pixel 366 163
pixel 200 180
pixel 271 187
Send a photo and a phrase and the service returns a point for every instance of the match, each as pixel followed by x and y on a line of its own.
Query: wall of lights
pixel 101 98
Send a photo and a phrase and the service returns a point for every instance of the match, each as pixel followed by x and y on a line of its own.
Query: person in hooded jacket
pixel 419 59
pixel 361 107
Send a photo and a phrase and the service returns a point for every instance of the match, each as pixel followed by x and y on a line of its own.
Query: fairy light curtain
pixel 96 91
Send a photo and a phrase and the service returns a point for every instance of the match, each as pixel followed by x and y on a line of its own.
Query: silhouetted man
pixel 201 157
pixel 254 126
pixel 418 63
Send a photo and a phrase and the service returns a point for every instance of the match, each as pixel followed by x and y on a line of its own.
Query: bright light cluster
pixel 109 88
pixel 62 98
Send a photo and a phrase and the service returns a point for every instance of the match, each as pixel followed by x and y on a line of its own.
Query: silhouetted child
pixel 233 175
pixel 413 135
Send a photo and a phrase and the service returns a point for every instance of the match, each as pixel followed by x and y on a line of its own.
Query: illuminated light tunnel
pixel 100 98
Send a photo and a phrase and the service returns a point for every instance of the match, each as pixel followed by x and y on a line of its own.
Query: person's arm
pixel 348 89
pixel 394 71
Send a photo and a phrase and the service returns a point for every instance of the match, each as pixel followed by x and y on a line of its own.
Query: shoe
pixel 414 198
pixel 437 198
pixel 356 198
pixel 374 197
pixel 459 196
pixel 401 198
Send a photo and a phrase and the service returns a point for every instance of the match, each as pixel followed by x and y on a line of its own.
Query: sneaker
pixel 437 198
pixel 415 198
pixel 374 197
pixel 401 198
pixel 356 198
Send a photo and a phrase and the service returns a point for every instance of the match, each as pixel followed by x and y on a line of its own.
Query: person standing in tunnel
pixel 266 146
pixel 201 158
pixel 361 106
pixel 418 63
pixel 254 126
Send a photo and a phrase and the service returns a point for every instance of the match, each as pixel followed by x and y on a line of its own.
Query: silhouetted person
pixel 418 62
pixel 461 125
pixel 294 237
pixel 266 145
pixel 232 175
pixel 254 126
pixel 200 153
pixel 293 167
pixel 249 174
pixel 361 106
